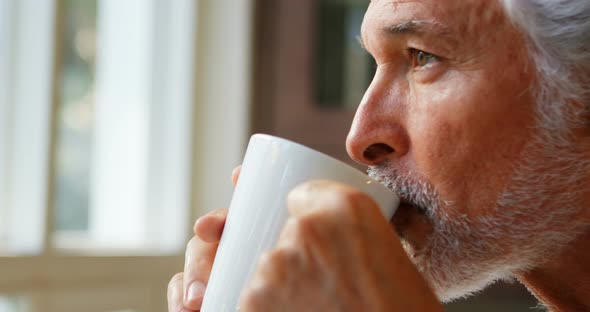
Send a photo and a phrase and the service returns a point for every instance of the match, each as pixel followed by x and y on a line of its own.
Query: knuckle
pixel 273 271
pixel 202 265
pixel 262 288
pixel 269 259
pixel 352 196
pixel 273 266
pixel 351 200
pixel 252 299
pixel 284 256
pixel 175 281
pixel 192 243
pixel 302 231
pixel 304 227
pixel 287 255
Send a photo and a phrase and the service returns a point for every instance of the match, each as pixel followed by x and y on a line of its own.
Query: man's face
pixel 448 122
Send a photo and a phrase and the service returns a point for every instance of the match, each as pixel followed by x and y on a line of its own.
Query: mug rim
pixel 341 163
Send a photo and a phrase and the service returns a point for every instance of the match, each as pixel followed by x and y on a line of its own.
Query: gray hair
pixel 558 37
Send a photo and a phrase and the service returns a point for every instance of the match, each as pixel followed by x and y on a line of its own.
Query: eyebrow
pixel 416 27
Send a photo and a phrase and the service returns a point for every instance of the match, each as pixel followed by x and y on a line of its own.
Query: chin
pixel 442 247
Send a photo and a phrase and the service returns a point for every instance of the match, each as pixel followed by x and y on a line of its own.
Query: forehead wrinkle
pixel 419 27
pixel 407 26
pixel 458 26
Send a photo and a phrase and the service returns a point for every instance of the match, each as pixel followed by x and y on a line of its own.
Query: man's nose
pixel 377 132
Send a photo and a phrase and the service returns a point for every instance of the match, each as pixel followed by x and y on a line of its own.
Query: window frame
pixel 55 280
pixel 26 124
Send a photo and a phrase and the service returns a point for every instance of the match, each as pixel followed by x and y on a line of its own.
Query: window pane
pixel 123 152
pixel 14 304
pixel 26 45
pixel 343 69
pixel 4 62
pixel 75 115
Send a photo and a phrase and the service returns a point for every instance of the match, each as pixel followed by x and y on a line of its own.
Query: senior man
pixel 478 117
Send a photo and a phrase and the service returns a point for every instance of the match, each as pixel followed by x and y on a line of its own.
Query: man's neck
pixel 563 284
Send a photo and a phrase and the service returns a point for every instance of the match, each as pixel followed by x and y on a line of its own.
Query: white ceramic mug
pixel 272 167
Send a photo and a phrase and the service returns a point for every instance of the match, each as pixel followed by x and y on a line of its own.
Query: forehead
pixel 465 18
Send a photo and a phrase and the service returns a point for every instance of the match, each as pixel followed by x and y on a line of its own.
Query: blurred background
pixel 121 120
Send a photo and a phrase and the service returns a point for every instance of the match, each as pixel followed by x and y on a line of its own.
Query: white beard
pixel 530 222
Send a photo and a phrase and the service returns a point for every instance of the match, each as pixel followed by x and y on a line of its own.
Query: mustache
pixel 410 187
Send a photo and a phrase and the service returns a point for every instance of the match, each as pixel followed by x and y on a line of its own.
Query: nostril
pixel 377 150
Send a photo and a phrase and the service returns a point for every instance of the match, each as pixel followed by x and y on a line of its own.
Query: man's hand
pixel 186 289
pixel 336 253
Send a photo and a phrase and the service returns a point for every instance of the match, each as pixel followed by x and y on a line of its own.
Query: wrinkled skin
pixel 452 105
pixel 329 223
pixel 457 119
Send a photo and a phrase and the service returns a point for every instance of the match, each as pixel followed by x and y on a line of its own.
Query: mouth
pixel 411 222
pixel 406 204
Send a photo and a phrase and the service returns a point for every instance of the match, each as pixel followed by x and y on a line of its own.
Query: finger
pixel 272 271
pixel 210 226
pixel 235 174
pixel 175 303
pixel 324 196
pixel 197 268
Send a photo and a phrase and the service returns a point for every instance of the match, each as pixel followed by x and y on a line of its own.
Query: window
pixel 121 159
pixel 343 70
pixel 4 65
pixel 14 303
pixel 123 120
pixel 24 122
pixel 115 130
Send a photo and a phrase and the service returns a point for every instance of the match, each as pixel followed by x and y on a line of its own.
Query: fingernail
pixel 219 213
pixel 195 293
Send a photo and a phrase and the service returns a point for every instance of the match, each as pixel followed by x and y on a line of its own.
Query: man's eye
pixel 421 58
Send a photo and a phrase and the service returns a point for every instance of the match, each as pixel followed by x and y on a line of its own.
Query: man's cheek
pixel 436 144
